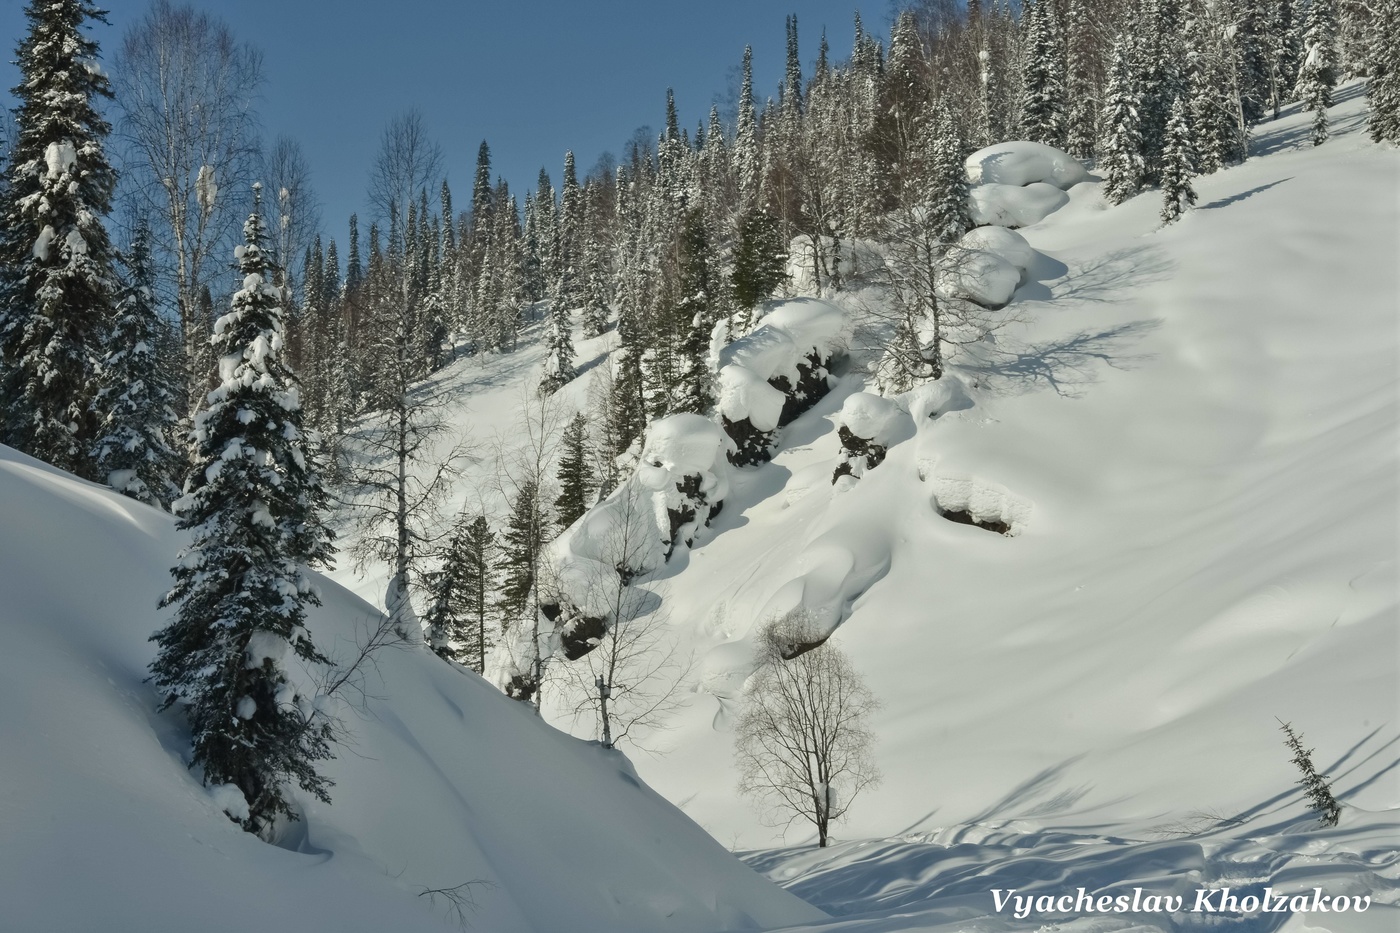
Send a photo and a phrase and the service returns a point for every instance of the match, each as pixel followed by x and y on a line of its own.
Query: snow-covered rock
pixel 1014 205
pixel 868 425
pixel 1022 163
pixel 984 278
pixel 1008 244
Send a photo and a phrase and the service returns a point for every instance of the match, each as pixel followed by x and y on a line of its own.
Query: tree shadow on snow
pixel 1232 199
pixel 1067 365
pixel 1270 137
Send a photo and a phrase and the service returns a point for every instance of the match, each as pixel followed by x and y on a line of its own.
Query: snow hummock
pixel 1007 244
pixel 1014 205
pixel 1022 163
pixel 983 277
pixel 872 417
pixel 787 335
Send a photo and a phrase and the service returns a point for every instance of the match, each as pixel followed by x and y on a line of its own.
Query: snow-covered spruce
pixel 57 276
pixel 253 509
pixel 136 397
pixel 771 376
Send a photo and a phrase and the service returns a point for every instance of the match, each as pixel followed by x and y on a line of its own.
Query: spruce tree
pixel 136 398
pixel 1315 786
pixel 695 312
pixel 460 593
pixel 253 510
pixel 1121 143
pixel 559 350
pixel 1043 75
pixel 576 481
pixel 1318 74
pixel 1384 66
pixel 947 181
pixel 57 267
pixel 1178 166
pixel 760 262
pixel 521 545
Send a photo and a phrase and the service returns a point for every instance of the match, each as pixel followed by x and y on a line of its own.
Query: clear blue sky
pixel 532 77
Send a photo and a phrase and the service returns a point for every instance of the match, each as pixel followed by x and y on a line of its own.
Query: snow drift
pixel 446 784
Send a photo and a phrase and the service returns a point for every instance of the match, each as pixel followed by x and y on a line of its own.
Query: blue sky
pixel 532 77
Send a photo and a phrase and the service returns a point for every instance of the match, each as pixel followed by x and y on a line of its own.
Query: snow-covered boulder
pixel 1012 205
pixel 867 426
pixel 1008 244
pixel 1023 163
pixel 680 483
pixel 980 277
pixel 770 376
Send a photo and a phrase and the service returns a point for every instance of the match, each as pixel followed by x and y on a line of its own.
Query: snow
pixel 982 277
pixel 1014 206
pixel 1023 163
pixel 445 782
pixel 1007 244
pixel 1193 434
pixel 44 243
pixel 745 394
pixel 872 417
pixel 60 157
pixel 786 335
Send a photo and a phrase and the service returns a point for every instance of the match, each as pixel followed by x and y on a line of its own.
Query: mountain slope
pixel 445 782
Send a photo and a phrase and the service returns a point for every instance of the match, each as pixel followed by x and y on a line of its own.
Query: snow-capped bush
pixel 1023 163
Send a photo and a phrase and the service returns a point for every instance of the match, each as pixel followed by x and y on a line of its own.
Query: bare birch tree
pixel 803 742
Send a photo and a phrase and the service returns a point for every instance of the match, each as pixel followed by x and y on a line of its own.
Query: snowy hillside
pixel 445 782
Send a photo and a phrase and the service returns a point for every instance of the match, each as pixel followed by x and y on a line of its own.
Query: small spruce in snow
pixel 1178 166
pixel 1315 786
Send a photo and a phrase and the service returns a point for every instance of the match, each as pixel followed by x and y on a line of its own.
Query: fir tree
pixel 57 267
pixel 1121 143
pixel 460 595
pixel 1318 74
pixel 576 481
pixel 1315 787
pixel 695 312
pixel 241 587
pixel 1178 166
pixel 559 351
pixel 136 398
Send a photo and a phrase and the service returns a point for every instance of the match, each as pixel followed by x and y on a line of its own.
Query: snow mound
pixel 1013 205
pixel 1023 163
pixel 872 417
pixel 981 277
pixel 448 784
pixel 1008 244
pixel 980 502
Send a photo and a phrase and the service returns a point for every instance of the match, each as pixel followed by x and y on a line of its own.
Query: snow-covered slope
pixel 1193 435
pixel 445 783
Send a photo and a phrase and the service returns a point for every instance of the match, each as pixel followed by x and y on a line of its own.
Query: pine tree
pixel 1318 74
pixel 1315 787
pixel 695 313
pixel 241 588
pixel 576 481
pixel 1121 145
pixel 1178 166
pixel 747 158
pixel 136 398
pixel 57 266
pixel 1384 87
pixel 460 592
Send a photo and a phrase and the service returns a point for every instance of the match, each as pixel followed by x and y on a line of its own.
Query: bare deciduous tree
pixel 803 742
pixel 186 89
pixel 409 161
pixel 632 678
pixel 287 175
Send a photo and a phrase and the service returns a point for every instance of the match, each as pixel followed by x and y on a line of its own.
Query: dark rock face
pixel 857 452
pixel 755 446
pixel 582 636
pixel 752 446
pixel 693 503
pixel 811 386
pixel 796 649
pixel 522 687
pixel 962 517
